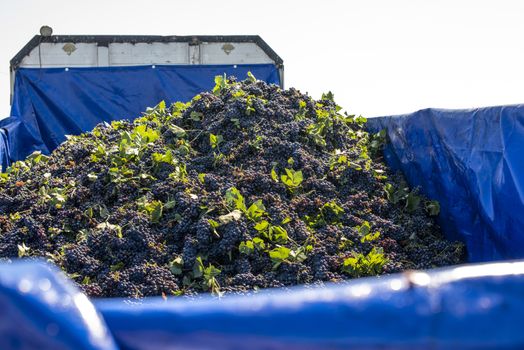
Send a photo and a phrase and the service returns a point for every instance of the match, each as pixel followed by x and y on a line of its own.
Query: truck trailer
pixel 469 160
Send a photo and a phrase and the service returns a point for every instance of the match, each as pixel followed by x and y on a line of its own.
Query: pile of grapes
pixel 247 186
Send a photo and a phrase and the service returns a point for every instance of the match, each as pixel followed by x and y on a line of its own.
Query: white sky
pixel 379 57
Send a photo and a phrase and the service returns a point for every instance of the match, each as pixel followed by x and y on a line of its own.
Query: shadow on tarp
pixel 472 162
pixel 464 307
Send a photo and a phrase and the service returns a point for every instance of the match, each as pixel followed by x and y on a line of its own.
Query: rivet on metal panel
pixel 227 48
pixel 69 48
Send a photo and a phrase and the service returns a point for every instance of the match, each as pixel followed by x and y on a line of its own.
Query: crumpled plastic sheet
pixel 463 307
pixel 472 162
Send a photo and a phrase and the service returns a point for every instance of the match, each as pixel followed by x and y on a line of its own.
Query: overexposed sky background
pixel 379 57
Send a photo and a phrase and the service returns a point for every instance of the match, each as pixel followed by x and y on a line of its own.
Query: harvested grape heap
pixel 245 187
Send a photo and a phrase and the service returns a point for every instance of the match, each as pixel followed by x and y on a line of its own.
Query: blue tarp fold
pixel 41 309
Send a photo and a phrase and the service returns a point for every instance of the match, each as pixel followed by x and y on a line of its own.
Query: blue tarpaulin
pixel 471 161
pixel 50 103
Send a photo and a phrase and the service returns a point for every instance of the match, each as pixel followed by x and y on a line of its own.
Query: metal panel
pixel 106 40
pixel 126 54
pixel 11 86
pixel 281 74
pixel 62 55
pixel 194 54
pixel 233 53
pixel 48 55
pixel 103 56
